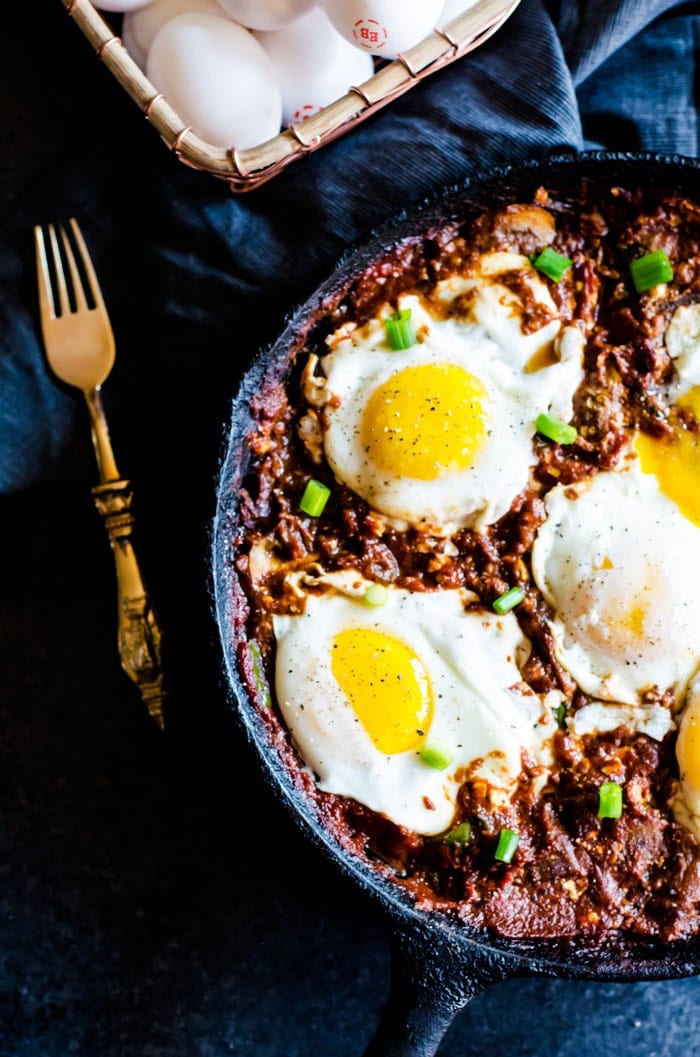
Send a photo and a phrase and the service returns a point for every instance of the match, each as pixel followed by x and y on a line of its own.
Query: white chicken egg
pixel 120 5
pixel 141 25
pixel 313 64
pixel 620 566
pixel 266 14
pixel 439 435
pixel 384 27
pixel 454 8
pixel 365 690
pixel 217 76
pixel 686 800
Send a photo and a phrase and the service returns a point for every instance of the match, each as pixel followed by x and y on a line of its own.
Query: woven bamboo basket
pixel 244 170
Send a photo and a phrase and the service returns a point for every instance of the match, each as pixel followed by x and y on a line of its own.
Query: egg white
pixel 682 339
pixel 485 338
pixel 620 567
pixel 597 717
pixel 483 713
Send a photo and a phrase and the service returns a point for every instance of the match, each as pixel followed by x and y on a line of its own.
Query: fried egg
pixel 365 691
pixel 619 565
pixel 439 436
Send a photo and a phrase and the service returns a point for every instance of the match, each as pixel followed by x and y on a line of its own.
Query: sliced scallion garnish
pixel 556 430
pixel 507 601
pixel 436 756
pixel 508 841
pixel 258 674
pixel 461 834
pixel 650 270
pixel 610 800
pixel 314 499
pixel 376 595
pixel 551 263
pixel 400 332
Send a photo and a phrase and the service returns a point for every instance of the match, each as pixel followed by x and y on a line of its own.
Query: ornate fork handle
pixel 139 634
pixel 80 349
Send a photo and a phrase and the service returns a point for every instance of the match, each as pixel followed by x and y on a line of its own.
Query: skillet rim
pixel 612 958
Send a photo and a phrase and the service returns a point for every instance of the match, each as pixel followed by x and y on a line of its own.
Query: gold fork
pixel 79 346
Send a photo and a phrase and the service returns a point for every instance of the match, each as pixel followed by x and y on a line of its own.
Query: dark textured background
pixel 154 900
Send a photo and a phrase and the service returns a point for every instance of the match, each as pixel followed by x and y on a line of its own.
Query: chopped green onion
pixel 505 602
pixel 556 430
pixel 560 716
pixel 436 756
pixel 650 270
pixel 459 835
pixel 400 331
pixel 507 843
pixel 314 499
pixel 610 800
pixel 552 264
pixel 260 682
pixel 376 595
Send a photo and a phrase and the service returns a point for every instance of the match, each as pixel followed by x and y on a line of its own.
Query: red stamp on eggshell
pixel 370 34
pixel 307 110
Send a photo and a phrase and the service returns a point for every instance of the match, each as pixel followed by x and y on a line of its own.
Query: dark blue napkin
pixel 197 279
pixel 154 900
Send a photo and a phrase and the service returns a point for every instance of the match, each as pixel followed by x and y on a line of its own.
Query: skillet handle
pixel 432 979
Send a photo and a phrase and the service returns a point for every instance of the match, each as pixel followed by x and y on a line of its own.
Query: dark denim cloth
pixel 155 899
pixel 187 266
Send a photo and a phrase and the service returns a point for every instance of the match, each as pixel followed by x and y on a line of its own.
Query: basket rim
pixel 248 168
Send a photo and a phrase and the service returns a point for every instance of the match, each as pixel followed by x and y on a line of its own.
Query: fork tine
pixel 76 282
pixel 87 265
pixel 63 301
pixel 47 308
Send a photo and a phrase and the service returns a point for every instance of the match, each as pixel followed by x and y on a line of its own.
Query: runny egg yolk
pixel 675 460
pixel 613 617
pixel 688 750
pixel 425 422
pixel 387 685
pixel 633 621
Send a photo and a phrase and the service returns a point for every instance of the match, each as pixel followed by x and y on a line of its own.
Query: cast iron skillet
pixel 437 966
